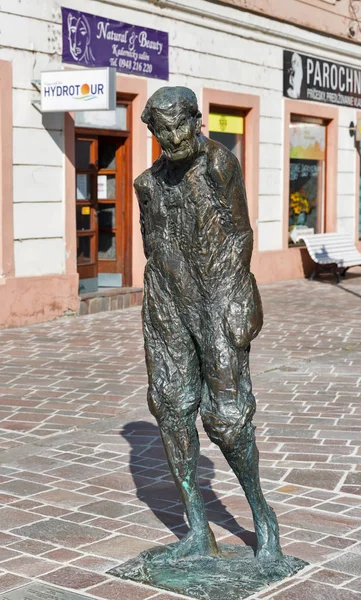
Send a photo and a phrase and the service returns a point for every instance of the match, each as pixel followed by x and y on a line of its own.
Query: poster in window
pixel 307 160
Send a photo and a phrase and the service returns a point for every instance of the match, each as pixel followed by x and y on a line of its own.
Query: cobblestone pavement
pixel 83 480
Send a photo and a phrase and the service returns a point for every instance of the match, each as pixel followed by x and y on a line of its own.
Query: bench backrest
pixel 333 248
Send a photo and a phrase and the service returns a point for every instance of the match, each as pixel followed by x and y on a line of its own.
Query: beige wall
pixel 333 17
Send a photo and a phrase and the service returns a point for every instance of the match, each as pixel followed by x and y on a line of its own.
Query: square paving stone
pixel 314 478
pixel 63 533
pixel 347 563
pixel 29 566
pixel 77 472
pixel 63 498
pixel 13 517
pixel 21 487
pixel 120 547
pixel 309 590
pixel 106 508
pixel 41 591
pixel 330 577
pixel 312 553
pixel 9 581
pixel 74 578
pixel 38 464
pixel 118 590
pixel 318 521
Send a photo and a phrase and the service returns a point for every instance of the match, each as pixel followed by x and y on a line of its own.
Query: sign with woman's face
pixel 94 41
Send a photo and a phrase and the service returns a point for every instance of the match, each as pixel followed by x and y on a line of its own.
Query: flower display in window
pixel 299 203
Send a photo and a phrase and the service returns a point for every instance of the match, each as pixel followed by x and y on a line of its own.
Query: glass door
pixel 86 210
pixel 111 192
pixel 103 211
pixel 307 178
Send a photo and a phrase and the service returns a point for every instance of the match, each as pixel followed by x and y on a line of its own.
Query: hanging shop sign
pixel 81 89
pixel 94 41
pixel 309 78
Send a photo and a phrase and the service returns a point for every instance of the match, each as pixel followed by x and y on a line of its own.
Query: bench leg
pixel 313 275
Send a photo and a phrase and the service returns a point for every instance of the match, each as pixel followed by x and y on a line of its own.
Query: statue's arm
pixel 243 317
pixel 142 190
pixel 227 175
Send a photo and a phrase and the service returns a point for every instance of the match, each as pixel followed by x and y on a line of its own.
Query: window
pixel 307 177
pixel 227 127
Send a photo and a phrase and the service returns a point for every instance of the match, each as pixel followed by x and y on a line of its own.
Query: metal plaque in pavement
pixel 41 591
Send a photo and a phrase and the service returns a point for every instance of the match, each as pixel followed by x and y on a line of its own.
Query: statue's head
pixel 172 115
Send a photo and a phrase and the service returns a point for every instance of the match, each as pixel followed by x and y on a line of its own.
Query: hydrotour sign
pixel 81 89
pixel 94 41
pixel 309 78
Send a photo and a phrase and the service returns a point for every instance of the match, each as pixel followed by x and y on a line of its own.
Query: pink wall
pixel 23 300
pixel 137 87
pixel 332 19
pixel 6 172
pixel 357 191
pixel 294 262
pixel 250 104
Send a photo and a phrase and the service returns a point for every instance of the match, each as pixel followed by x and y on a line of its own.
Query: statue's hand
pixel 242 322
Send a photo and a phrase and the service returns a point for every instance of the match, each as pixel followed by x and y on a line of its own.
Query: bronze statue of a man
pixel 201 310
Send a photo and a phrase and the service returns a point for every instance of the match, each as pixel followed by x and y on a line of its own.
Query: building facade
pixel 281 94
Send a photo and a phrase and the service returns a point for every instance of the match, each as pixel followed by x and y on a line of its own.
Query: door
pixel 111 204
pixel 103 208
pixel 86 210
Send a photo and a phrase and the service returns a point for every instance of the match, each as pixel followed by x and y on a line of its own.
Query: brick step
pixel 109 299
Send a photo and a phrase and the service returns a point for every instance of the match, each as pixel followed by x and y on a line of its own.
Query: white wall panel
pixel 38 220
pixel 346 225
pixel 38 183
pixel 270 181
pixel 270 208
pixel 39 257
pixel 269 236
pixel 38 147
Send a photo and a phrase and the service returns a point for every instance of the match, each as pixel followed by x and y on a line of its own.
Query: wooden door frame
pixel 89 270
pixel 127 199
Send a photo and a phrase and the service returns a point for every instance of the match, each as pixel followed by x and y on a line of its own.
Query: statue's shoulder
pixel 222 163
pixel 145 180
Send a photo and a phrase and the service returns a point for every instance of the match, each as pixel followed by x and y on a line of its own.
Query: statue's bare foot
pixel 195 543
pixel 268 544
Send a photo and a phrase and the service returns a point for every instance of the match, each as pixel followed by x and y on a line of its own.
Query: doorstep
pixel 107 299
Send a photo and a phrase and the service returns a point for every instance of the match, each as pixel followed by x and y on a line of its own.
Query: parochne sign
pixel 93 41
pixel 309 78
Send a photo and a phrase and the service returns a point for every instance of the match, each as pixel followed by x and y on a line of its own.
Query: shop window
pixel 307 178
pixel 227 127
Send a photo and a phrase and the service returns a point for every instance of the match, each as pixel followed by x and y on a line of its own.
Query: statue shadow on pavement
pixel 161 494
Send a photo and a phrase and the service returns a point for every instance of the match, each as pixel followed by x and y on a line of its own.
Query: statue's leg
pixel 223 412
pixel 173 398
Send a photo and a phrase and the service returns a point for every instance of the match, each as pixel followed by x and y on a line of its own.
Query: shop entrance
pixel 103 210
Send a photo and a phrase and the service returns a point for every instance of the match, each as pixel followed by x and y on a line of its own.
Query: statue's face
pixel 177 134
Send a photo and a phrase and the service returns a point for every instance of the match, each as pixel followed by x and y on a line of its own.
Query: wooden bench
pixel 332 252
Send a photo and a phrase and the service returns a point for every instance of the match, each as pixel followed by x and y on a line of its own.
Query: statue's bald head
pixel 178 99
pixel 172 115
